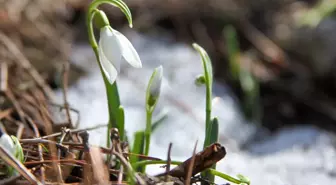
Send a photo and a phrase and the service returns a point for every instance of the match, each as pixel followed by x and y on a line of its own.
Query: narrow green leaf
pixel 208 83
pixel 225 176
pixel 121 122
pixel 214 131
pixel 138 146
pixel 233 51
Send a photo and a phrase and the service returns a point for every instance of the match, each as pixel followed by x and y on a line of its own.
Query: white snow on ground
pixel 300 155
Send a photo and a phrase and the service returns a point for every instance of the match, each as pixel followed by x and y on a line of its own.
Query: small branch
pixel 190 167
pixel 168 162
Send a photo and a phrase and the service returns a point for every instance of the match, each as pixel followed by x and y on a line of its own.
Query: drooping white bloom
pixel 7 143
pixel 113 48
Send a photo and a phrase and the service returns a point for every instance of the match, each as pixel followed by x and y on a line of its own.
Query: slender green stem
pixel 224 176
pixel 147 162
pixel 149 114
pixel 148 130
pixel 111 90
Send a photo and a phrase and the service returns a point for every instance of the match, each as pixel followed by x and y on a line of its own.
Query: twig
pixel 64 90
pixel 99 170
pixel 23 62
pixel 203 160
pixel 5 113
pixel 3 77
pixel 70 108
pixel 168 162
pixel 190 167
pixel 16 105
pixel 75 131
pixel 20 131
pixel 10 180
pixel 40 151
pixel 129 168
pixel 40 141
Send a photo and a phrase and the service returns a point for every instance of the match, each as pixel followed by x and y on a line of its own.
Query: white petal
pixel 128 51
pixel 110 46
pixel 7 143
pixel 155 86
pixel 109 70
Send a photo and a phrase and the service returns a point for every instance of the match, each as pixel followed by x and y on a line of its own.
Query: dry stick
pixel 64 90
pixel 52 147
pixel 20 131
pixel 168 161
pixel 41 141
pixel 129 168
pixel 10 180
pixel 17 165
pixel 16 105
pixel 99 169
pixel 74 131
pixel 191 165
pixel 23 62
pixel 6 113
pixel 71 109
pixel 40 151
pixel 65 132
pixel 3 77
pixel 203 160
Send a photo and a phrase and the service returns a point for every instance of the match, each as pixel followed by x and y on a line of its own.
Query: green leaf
pixel 233 51
pixel 225 176
pixel 207 66
pixel 121 122
pixel 138 146
pixel 243 179
pixel 214 130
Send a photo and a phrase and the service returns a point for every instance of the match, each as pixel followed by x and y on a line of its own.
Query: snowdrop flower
pixel 12 145
pixel 154 87
pixel 6 142
pixel 113 48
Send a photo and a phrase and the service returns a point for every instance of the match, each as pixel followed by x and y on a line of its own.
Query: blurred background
pixel 274 65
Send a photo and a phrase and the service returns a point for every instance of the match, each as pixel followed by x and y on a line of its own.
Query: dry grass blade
pixel 203 160
pixel 190 167
pixel 99 169
pixel 3 77
pixel 40 151
pixel 168 162
pixel 23 62
pixel 17 165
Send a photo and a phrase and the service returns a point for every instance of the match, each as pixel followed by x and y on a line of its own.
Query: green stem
pixel 145 163
pixel 148 130
pixel 224 176
pixel 111 90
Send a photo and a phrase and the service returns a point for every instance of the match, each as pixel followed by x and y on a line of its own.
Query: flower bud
pixel 154 87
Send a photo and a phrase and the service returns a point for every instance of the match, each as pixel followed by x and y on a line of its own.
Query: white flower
pixel 114 47
pixel 155 86
pixel 7 143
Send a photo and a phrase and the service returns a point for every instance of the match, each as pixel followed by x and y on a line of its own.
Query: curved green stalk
pixel 228 177
pixel 208 84
pixel 111 89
